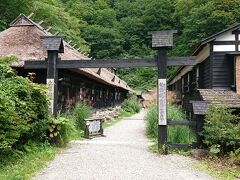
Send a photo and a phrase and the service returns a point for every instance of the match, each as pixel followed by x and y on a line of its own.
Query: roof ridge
pixel 23 20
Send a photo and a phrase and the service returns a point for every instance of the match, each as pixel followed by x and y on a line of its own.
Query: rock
pixel 200 153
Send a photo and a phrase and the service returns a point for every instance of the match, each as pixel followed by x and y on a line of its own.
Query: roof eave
pixel 204 42
pixel 213 37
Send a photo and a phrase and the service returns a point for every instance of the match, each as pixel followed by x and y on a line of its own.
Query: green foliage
pixel 131 105
pixel 23 109
pixel 220 168
pixel 9 10
pixel 221 129
pixel 3 25
pixel 179 134
pixel 26 162
pixel 176 134
pixel 200 19
pixel 101 40
pixel 152 122
pixel 140 78
pixel 62 129
pixel 54 15
pixel 235 156
pixel 118 29
pixel 81 112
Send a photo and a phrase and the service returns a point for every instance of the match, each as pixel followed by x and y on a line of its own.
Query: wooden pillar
pixel 53 45
pixel 52 81
pixel 162 40
pixel 162 96
pixel 114 97
pixel 200 123
pixel 237 72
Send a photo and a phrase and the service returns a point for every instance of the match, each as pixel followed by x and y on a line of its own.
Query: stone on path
pixel 121 155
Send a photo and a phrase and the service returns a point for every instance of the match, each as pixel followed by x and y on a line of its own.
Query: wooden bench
pixel 93 127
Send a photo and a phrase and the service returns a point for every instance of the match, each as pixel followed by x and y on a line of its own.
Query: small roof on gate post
pixel 53 43
pixel 162 38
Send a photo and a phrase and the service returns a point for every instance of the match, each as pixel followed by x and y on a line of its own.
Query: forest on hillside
pixel 118 28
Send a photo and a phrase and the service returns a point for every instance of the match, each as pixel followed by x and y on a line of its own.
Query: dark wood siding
pixel 39 77
pixel 186 105
pixel 223 70
pixel 204 74
pixel 74 87
pixel 193 80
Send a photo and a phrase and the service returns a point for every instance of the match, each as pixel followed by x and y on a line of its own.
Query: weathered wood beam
pixel 69 64
pixel 181 61
pixel 48 29
pixel 126 63
pixel 173 145
pixel 172 61
pixel 182 122
pixel 32 64
pixel 30 15
pixel 40 22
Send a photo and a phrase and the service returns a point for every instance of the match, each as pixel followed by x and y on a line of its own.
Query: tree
pixel 9 10
pixel 204 19
pixel 104 42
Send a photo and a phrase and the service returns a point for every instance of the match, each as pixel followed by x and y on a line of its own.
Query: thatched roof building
pixel 23 40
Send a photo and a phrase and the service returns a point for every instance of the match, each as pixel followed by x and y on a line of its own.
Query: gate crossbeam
pixel 116 63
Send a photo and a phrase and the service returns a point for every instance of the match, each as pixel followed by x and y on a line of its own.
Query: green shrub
pixel 221 129
pixel 8 118
pixel 81 112
pixel 131 105
pixel 235 156
pixel 176 134
pixel 23 109
pixel 152 122
pixel 62 129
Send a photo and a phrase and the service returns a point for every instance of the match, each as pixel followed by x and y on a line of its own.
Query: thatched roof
pixel 23 40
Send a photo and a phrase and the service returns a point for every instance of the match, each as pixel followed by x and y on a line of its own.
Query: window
pixel 188 82
pixel 183 84
pixel 234 72
pixel 197 77
pixel 189 115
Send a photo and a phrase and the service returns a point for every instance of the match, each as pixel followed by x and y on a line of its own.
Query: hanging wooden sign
pixel 162 102
pixel 50 94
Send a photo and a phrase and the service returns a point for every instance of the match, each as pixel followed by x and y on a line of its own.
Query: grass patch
pixel 154 149
pixel 176 134
pixel 122 114
pixel 219 168
pixel 131 105
pixel 25 164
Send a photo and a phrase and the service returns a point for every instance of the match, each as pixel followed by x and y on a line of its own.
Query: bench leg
pixel 86 132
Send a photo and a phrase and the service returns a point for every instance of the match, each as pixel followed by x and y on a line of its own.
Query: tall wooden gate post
pixel 53 45
pixel 162 102
pixel 162 40
pixel 52 80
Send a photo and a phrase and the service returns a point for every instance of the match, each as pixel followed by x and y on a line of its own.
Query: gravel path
pixel 122 155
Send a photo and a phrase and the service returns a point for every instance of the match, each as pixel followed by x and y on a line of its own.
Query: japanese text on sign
pixel 162 102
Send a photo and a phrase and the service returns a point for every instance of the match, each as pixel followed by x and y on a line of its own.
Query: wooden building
pixel 215 77
pixel 98 87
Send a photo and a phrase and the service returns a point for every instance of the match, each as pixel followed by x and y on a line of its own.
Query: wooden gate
pixel 161 41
